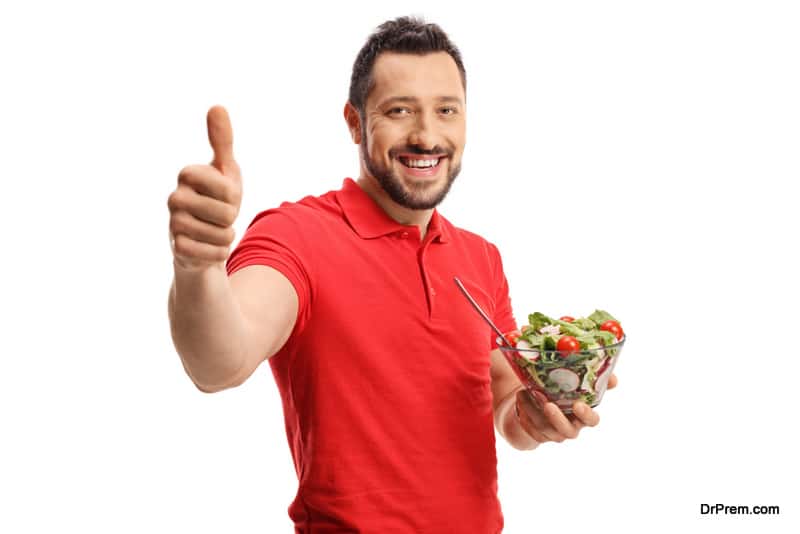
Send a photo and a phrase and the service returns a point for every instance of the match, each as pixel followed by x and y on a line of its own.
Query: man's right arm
pixel 222 327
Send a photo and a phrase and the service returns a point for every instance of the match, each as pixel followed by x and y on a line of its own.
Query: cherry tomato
pixel 513 337
pixel 614 328
pixel 567 345
pixel 567 319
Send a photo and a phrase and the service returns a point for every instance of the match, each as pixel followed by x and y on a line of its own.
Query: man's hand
pixel 206 202
pixel 549 423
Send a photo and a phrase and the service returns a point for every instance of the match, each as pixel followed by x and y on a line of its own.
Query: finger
pixel 612 381
pixel 183 223
pixel 187 248
pixel 559 421
pixel 202 207
pixel 539 422
pixel 527 424
pixel 209 181
pixel 584 414
pixel 220 136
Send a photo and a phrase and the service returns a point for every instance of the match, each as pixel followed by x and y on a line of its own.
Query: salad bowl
pixel 564 361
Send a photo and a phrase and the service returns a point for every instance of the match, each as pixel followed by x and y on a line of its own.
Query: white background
pixel 635 156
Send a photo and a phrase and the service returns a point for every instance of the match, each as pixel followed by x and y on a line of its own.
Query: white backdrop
pixel 634 156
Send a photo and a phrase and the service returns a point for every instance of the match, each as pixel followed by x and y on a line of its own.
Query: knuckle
pixel 182 245
pixel 229 215
pixel 175 226
pixel 179 224
pixel 188 174
pixel 185 174
pixel 173 200
pixel 178 199
pixel 230 235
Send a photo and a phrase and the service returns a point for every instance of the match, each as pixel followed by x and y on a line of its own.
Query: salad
pixel 567 359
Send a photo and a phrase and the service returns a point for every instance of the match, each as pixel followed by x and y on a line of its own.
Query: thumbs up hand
pixel 206 202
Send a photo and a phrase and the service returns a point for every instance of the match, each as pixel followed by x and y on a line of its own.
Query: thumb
pixel 220 136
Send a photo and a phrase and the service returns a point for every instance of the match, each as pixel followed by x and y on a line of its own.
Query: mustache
pixel 435 151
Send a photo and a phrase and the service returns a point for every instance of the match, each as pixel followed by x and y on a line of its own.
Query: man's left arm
pixel 522 422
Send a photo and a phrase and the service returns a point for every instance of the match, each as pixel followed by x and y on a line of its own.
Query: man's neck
pixel 401 214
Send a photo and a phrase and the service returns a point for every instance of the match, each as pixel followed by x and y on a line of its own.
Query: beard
pixel 417 196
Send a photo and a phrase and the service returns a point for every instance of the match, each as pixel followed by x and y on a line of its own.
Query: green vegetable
pixel 543 357
pixel 569 328
pixel 538 320
pixel 600 316
pixel 585 324
pixel 607 337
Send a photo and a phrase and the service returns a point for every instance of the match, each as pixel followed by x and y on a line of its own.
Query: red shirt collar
pixel 370 221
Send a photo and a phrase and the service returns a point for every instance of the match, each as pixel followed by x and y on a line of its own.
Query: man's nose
pixel 423 134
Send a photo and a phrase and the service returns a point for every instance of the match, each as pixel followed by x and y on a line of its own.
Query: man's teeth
pixel 420 162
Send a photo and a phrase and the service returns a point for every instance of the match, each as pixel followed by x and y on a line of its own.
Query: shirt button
pixel 404 235
pixel 433 291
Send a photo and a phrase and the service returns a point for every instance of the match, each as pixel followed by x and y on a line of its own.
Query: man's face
pixel 415 118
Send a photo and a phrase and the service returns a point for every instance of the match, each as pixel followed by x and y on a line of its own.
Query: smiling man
pixel 415 128
pixel 391 385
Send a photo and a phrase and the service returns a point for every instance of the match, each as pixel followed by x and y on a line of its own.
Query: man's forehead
pixel 433 75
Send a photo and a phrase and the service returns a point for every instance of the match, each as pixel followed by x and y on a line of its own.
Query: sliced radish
pixel 551 329
pixel 565 379
pixel 529 354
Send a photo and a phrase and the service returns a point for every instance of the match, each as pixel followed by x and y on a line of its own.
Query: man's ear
pixel 353 122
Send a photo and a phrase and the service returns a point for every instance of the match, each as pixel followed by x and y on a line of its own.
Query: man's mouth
pixel 419 163
pixel 421 166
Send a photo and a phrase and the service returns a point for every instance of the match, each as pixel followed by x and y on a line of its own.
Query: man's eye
pixel 449 111
pixel 399 111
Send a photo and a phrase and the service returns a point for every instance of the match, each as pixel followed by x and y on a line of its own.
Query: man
pixel 390 382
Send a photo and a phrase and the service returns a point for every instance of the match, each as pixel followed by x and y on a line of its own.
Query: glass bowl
pixel 563 377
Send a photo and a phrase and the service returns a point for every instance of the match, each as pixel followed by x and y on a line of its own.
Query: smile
pixel 419 163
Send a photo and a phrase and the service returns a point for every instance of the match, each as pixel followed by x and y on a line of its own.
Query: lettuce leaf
pixel 569 328
pixel 601 316
pixel 538 320
pixel 607 337
pixel 585 324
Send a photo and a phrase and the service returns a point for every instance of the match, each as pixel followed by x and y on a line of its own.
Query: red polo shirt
pixel 385 379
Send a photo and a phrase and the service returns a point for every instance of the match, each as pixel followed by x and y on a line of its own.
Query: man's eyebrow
pixel 415 100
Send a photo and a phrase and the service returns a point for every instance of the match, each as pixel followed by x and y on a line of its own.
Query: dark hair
pixel 409 35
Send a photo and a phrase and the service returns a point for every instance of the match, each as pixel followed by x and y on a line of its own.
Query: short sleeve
pixel 503 315
pixel 273 239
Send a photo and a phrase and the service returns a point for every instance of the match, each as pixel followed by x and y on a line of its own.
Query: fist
pixel 206 202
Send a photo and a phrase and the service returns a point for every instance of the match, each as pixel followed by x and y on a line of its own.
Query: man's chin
pixel 414 192
pixel 424 193
pixel 424 184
